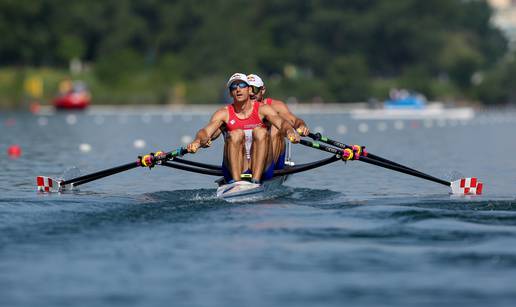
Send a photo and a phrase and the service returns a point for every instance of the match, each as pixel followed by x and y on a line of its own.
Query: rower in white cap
pixel 278 138
pixel 248 141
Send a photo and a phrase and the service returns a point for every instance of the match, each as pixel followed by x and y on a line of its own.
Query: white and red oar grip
pixel 467 186
pixel 47 184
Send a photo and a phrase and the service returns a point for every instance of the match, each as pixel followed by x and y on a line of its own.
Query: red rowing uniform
pixel 245 124
pixel 268 101
pixel 248 123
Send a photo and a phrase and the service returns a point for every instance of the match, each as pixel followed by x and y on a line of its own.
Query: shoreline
pixel 207 109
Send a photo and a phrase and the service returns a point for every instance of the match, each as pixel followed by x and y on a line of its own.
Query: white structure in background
pixel 505 18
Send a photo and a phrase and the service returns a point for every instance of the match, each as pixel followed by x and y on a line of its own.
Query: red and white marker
pixel 50 185
pixel 467 186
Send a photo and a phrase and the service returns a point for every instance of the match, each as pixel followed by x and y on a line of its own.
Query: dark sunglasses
pixel 234 86
pixel 256 89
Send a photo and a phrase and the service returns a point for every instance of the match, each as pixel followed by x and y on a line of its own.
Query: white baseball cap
pixel 255 80
pixel 237 77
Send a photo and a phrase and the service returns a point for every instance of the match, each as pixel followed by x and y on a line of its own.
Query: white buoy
pixel 382 126
pixel 399 125
pixel 342 129
pixel 139 143
pixel 84 147
pixel 71 119
pixel 42 121
pixel 186 139
pixel 363 127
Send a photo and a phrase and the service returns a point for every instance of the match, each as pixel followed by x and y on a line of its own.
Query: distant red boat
pixel 73 101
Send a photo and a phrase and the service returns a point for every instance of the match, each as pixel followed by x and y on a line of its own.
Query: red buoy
pixel 14 151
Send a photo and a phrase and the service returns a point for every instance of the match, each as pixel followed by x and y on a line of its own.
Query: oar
pixel 462 186
pixel 47 184
pixel 318 137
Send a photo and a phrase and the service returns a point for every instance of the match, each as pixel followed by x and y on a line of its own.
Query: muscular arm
pixel 205 134
pixel 285 113
pixel 283 125
pixel 217 133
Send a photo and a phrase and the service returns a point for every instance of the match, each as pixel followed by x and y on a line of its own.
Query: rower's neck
pixel 242 106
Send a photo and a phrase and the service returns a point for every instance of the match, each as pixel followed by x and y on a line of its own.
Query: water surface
pixel 345 234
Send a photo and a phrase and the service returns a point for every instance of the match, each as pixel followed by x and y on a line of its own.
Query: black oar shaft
pixel 404 170
pixel 118 169
pixel 324 139
pixel 199 170
pixel 103 173
pixel 375 162
pixel 198 164
pixel 304 167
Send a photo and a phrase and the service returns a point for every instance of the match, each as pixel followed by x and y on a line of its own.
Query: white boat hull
pixel 245 191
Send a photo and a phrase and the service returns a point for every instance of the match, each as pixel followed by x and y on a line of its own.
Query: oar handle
pixel 150 160
pixel 336 151
pixel 319 137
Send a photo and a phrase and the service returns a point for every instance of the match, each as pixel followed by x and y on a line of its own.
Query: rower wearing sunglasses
pixel 278 138
pixel 247 135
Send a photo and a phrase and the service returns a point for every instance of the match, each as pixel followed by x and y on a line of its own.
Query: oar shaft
pixel 324 139
pixel 404 170
pixel 375 162
pixel 321 147
pixel 118 169
pixel 199 170
pixel 103 173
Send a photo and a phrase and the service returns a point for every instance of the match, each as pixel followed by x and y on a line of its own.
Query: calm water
pixel 343 235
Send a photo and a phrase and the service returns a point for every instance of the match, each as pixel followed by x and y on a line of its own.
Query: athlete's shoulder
pixel 222 109
pixel 279 106
pixel 264 108
pixel 221 112
pixel 270 101
pixel 276 102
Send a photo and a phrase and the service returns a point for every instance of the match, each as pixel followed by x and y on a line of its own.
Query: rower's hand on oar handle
pixel 293 136
pixel 206 144
pixel 193 147
pixel 303 130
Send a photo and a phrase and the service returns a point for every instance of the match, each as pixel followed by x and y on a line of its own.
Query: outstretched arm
pixel 285 113
pixel 205 134
pixel 284 126
pixel 216 134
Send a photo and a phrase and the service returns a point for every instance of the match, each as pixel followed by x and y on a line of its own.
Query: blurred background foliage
pixel 163 51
